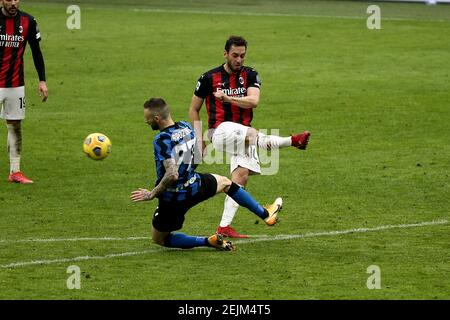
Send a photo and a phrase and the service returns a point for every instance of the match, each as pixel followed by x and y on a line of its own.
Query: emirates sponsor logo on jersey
pixel 13 41
pixel 233 91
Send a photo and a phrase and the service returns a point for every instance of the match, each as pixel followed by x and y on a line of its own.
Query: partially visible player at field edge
pixel 230 93
pixel 179 187
pixel 17 28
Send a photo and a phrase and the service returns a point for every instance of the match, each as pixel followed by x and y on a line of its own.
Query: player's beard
pixel 12 11
pixel 155 126
pixel 232 68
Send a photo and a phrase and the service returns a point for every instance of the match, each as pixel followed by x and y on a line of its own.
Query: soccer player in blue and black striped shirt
pixel 179 187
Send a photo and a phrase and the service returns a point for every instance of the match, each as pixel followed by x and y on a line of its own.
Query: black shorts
pixel 169 216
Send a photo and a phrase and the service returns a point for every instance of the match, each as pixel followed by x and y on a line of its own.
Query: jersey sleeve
pixel 187 124
pixel 33 38
pixel 34 34
pixel 253 79
pixel 162 147
pixel 203 87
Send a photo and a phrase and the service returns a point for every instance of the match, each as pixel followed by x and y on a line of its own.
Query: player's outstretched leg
pixel 268 213
pixel 271 142
pixel 300 141
pixel 273 210
pixel 216 241
pixel 184 241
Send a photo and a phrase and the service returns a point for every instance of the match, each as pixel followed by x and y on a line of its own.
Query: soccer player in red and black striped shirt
pixel 230 93
pixel 17 28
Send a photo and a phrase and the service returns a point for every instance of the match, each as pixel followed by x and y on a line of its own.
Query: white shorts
pixel 249 161
pixel 229 137
pixel 12 103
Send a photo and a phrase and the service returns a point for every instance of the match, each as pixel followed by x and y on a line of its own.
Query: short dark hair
pixel 159 106
pixel 236 41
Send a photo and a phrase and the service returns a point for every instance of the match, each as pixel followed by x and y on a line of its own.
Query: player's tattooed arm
pixel 169 178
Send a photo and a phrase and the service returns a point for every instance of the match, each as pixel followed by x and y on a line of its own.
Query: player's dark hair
pixel 236 41
pixel 159 106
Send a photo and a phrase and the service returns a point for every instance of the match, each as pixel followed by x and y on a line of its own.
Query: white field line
pixel 262 14
pixel 74 239
pixel 259 236
pixel 262 238
pixel 82 258
pixel 343 232
pixel 273 14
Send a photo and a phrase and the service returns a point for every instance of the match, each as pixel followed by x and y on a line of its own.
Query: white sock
pixel 14 146
pixel 229 211
pixel 272 142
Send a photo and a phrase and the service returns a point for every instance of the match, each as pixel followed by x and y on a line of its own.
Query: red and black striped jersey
pixel 235 84
pixel 15 32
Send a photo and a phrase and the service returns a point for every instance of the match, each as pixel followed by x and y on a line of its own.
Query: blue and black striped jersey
pixel 177 142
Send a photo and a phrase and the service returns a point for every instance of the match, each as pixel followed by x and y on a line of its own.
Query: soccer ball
pixel 97 146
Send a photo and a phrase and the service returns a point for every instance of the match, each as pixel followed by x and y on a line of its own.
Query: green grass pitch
pixel 377 105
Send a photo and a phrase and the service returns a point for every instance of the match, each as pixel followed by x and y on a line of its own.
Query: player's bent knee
pixel 251 136
pixel 158 237
pixel 240 176
pixel 223 183
pixel 160 241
